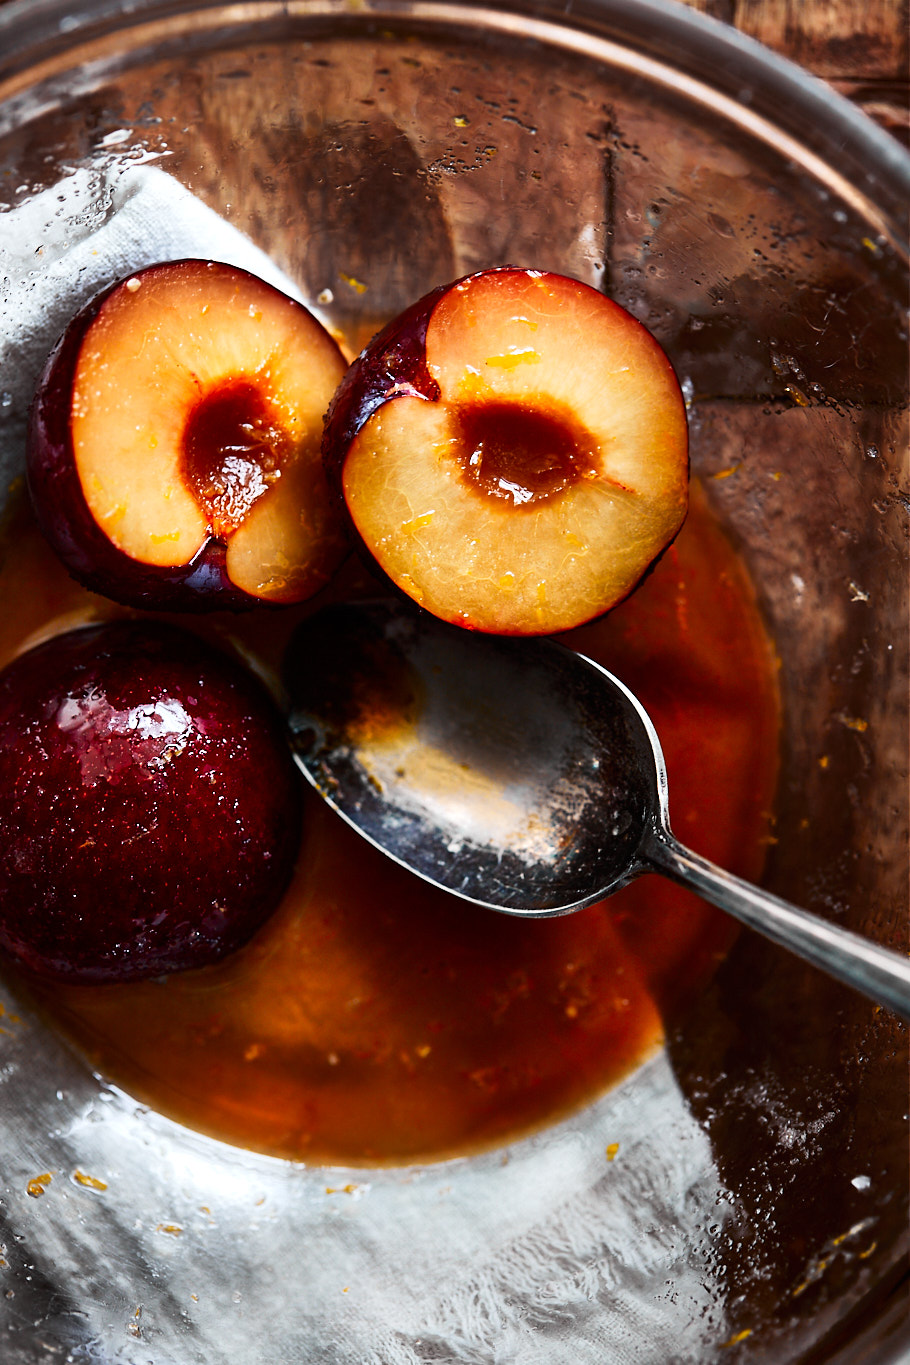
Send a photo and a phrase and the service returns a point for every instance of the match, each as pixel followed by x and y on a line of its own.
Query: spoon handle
pixel 877 972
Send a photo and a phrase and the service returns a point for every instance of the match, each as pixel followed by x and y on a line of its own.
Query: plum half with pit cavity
pixel 174 443
pixel 512 452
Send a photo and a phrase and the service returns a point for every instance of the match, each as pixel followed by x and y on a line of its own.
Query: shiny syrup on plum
pixel 234 447
pixel 375 1020
pixel 523 455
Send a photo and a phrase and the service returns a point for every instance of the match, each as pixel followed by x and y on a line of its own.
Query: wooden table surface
pixel 861 46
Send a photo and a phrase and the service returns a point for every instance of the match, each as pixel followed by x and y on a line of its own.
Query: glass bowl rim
pixel 759 82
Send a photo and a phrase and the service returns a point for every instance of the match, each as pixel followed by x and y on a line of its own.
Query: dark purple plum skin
pixel 394 363
pixel 149 804
pixel 202 585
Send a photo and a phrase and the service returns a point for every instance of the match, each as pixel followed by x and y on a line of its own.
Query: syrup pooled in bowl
pixel 375 1020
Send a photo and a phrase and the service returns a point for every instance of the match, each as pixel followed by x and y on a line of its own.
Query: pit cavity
pixel 520 454
pixel 234 446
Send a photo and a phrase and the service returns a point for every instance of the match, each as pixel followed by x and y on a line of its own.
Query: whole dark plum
pixel 149 806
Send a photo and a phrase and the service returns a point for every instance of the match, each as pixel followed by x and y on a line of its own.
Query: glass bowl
pixel 753 220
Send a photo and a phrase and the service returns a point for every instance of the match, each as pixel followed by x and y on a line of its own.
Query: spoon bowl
pixel 516 774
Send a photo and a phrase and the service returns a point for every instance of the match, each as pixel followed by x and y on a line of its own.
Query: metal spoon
pixel 516 774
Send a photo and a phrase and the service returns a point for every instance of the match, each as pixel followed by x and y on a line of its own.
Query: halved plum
pixel 174 444
pixel 149 804
pixel 512 451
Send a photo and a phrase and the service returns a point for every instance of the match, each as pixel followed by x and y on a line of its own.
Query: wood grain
pixel 861 47
pixel 835 38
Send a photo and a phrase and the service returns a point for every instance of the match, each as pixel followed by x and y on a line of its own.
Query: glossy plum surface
pixel 149 806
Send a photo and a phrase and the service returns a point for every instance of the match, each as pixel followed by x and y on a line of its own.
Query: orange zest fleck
pixel 90 1182
pixel 739 1336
